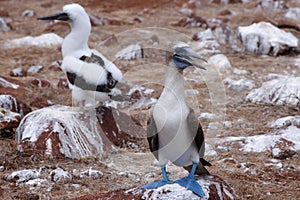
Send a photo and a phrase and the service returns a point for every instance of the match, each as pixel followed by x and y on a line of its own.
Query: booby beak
pixel 185 53
pixel 59 16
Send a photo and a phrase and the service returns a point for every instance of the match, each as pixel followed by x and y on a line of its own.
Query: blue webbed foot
pixel 156 184
pixel 191 184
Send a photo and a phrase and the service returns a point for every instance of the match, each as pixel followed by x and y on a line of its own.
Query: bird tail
pixel 201 170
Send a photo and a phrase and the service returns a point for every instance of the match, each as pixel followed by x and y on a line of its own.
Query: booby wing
pixel 198 135
pixel 88 75
pixel 152 136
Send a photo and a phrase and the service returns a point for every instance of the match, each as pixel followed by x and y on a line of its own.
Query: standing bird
pixel 174 133
pixel 91 76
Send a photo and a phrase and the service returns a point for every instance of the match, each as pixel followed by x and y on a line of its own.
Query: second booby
pixel 91 76
pixel 173 131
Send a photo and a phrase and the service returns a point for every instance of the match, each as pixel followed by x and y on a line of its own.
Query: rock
pixel 192 4
pixel 100 21
pixel 210 39
pixel 214 188
pixel 55 65
pixel 264 38
pixel 271 5
pixel 4 27
pixel 282 154
pixel 207 44
pixel 59 131
pixel 192 21
pixel 34 69
pixel 28 13
pixel 18 72
pixel 131 52
pixel 284 139
pixel 286 121
pixel 59 175
pixel 208 115
pixel 204 35
pixel 94 174
pixel 8 121
pixel 40 83
pixel 22 175
pixel 239 85
pixel 225 12
pixel 293 13
pixel 119 128
pixel 63 83
pixel 220 61
pixel 9 102
pixel 282 91
pixel 48 40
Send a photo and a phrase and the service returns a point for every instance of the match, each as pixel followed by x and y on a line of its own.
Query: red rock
pixel 18 72
pixel 40 83
pixel 8 121
pixel 63 83
pixel 55 131
pixel 11 103
pixel 192 21
pixel 215 189
pixel 119 128
pixel 100 21
pixel 55 65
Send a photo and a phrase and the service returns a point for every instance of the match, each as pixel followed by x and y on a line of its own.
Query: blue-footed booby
pixel 173 131
pixel 91 76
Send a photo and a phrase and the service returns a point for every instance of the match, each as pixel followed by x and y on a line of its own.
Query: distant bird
pixel 91 76
pixel 174 133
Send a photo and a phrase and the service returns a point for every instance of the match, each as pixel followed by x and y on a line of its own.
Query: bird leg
pixel 158 184
pixel 190 183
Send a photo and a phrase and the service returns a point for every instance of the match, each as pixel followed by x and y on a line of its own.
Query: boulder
pixel 293 13
pixel 47 40
pixel 62 131
pixel 264 38
pixel 214 188
pixel 282 91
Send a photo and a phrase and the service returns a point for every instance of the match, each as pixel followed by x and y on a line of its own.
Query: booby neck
pixel 76 42
pixel 174 83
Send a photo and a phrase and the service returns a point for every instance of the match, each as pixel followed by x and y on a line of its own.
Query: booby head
pixel 76 43
pixel 72 13
pixel 181 54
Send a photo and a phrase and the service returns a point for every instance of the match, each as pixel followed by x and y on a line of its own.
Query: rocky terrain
pixel 247 100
